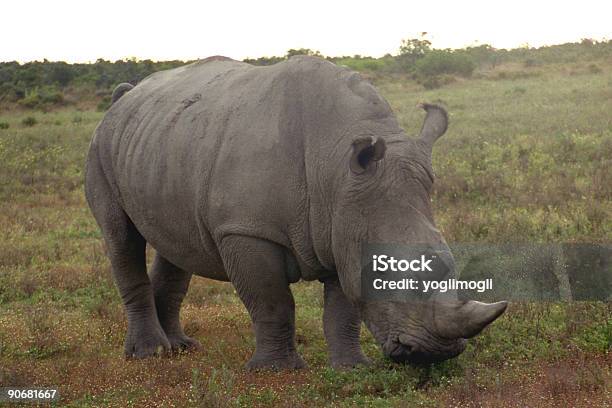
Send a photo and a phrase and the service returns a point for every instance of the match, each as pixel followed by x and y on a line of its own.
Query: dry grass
pixel 526 156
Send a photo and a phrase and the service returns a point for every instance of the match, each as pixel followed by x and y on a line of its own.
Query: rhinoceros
pixel 264 176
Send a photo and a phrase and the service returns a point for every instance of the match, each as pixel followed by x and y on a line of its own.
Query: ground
pixel 527 156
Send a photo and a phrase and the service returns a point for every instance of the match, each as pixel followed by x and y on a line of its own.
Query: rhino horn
pixel 435 124
pixel 465 319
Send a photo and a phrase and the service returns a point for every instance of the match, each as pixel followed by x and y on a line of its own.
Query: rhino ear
pixel 366 151
pixel 435 124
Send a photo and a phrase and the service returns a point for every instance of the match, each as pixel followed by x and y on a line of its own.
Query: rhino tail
pixel 120 90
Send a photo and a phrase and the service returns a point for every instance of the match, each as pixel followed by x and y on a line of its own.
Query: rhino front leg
pixel 170 284
pixel 257 270
pixel 342 326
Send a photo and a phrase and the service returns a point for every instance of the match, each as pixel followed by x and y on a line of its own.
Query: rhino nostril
pixel 401 352
pixel 407 347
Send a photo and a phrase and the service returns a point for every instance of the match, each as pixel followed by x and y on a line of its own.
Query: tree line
pixel 45 83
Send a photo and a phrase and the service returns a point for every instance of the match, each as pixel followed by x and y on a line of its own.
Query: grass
pixel 527 157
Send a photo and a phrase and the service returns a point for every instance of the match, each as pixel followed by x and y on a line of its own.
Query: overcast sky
pixel 162 30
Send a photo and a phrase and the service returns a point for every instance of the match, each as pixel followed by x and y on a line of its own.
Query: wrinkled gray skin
pixel 262 176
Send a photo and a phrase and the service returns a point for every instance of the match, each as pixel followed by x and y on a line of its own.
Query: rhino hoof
pixel 344 363
pixel 183 343
pixel 147 348
pixel 288 363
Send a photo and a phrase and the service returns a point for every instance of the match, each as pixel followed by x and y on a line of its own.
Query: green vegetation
pixel 44 85
pixel 440 62
pixel 526 158
pixel 29 121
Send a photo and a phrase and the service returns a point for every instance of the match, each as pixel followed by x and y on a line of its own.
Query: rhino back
pixel 203 151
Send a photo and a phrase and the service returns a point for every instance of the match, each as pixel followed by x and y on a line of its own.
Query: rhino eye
pixel 366 151
pixel 365 156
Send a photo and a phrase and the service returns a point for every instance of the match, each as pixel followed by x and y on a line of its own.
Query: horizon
pixel 283 54
pixel 67 31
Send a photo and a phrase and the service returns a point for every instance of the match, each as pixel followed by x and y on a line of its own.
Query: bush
pixel 104 104
pixel 31 100
pixel 9 92
pixel 412 50
pixel 302 51
pixel 514 75
pixel 4 125
pixel 517 90
pixel 594 69
pixel 29 121
pixel 434 82
pixel 262 61
pixel 362 64
pixel 484 55
pixel 438 62
pixel 41 97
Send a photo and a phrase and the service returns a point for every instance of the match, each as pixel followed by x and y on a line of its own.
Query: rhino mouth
pixel 412 349
pixel 406 349
pixel 427 332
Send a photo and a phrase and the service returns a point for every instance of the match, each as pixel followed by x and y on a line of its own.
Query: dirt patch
pixel 578 382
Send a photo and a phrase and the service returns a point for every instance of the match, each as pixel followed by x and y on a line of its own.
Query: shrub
pixel 62 73
pixel 519 90
pixel 43 96
pixel 31 99
pixel 594 69
pixel 302 51
pixel 104 104
pixel 484 55
pixel 264 60
pixel 29 121
pixel 514 75
pixel 51 95
pixel 4 125
pixel 9 92
pixel 438 62
pixel 437 81
pixel 362 64
pixel 412 50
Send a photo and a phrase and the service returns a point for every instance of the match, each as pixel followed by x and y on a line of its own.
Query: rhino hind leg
pixel 126 250
pixel 170 284
pixel 145 336
pixel 257 270
pixel 342 326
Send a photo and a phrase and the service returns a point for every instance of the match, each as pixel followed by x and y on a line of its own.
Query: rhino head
pixel 385 198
